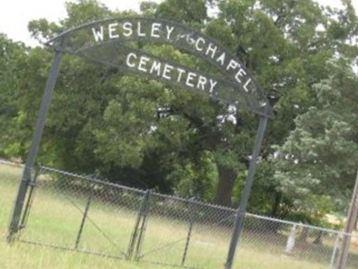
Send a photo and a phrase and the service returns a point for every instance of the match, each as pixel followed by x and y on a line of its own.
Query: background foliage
pixel 143 133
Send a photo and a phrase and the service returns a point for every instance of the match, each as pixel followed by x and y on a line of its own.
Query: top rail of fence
pixel 91 179
pixel 177 198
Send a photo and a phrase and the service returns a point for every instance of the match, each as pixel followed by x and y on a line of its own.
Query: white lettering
pixel 127 27
pixel 211 49
pixel 193 80
pixel 189 79
pixel 180 73
pixel 155 67
pixel 169 31
pixel 156 29
pixel 189 39
pixel 240 73
pixel 112 29
pixel 142 63
pixel 202 40
pixel 201 83
pixel 98 34
pixel 167 69
pixel 246 84
pixel 131 55
pixel 221 59
pixel 232 64
pixel 139 26
pixel 212 85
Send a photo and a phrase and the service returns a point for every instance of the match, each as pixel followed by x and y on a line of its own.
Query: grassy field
pixel 55 218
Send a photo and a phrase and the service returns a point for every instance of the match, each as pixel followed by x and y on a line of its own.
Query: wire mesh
pixel 352 261
pixel 286 244
pixel 9 181
pixel 75 212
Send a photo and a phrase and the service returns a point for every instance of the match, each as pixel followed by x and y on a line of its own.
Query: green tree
pixel 316 165
pixel 145 133
pixel 12 60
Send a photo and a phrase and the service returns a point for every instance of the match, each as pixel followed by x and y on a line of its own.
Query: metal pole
pixel 31 157
pixel 32 185
pixel 134 236
pixel 352 215
pixel 191 223
pixel 334 252
pixel 85 213
pixel 143 226
pixel 245 195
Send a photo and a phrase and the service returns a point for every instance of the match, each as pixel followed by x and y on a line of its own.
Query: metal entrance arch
pixel 111 42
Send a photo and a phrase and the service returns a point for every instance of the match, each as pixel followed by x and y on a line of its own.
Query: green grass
pixel 55 218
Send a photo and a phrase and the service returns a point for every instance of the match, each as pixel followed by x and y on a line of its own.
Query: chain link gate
pixel 80 213
pixel 95 216
pixel 75 212
pixel 192 234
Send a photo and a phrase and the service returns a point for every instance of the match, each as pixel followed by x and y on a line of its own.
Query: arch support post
pixel 245 194
pixel 17 211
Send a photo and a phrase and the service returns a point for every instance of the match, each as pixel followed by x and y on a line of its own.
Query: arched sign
pixel 112 42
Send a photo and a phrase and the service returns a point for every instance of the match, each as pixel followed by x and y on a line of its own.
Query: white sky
pixel 15 14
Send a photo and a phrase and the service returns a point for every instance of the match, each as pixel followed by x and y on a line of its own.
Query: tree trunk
pixel 225 186
pixel 276 204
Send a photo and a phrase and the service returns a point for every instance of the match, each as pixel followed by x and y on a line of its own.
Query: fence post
pixel 144 213
pixel 245 194
pixel 31 157
pixel 32 185
pixel 134 237
pixel 291 240
pixel 84 217
pixel 191 223
pixel 351 219
pixel 335 251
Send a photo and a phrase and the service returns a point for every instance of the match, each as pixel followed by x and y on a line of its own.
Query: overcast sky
pixel 15 14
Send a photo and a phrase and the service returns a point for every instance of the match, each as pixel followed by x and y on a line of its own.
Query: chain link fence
pixel 75 212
